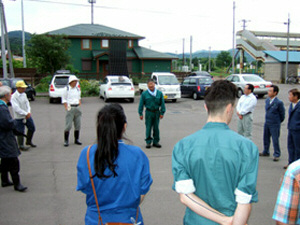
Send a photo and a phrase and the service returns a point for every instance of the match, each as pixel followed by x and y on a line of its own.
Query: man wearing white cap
pixel 22 114
pixel 71 99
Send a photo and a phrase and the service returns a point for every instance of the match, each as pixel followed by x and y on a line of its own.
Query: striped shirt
pixel 287 204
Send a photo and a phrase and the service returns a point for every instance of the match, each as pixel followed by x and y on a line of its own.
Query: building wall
pixel 274 71
pixel 150 66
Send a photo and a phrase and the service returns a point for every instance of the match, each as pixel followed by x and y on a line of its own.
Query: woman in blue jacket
pixel 120 172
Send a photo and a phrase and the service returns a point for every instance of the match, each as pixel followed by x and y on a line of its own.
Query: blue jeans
pixel 274 132
pixel 29 124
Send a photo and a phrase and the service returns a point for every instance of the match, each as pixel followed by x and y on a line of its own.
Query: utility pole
pixel 233 37
pixel 183 59
pixel 4 38
pixel 191 41
pixel 23 36
pixel 287 50
pixel 92 10
pixel 209 70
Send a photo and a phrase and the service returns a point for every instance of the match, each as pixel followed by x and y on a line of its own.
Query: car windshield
pixel 252 79
pixel 167 80
pixel 5 82
pixel 61 80
pixel 206 80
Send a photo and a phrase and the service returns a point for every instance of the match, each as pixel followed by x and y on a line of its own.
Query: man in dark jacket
pixel 9 150
pixel 294 126
pixel 275 114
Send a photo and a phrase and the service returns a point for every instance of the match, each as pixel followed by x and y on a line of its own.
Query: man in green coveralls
pixel 215 169
pixel 153 100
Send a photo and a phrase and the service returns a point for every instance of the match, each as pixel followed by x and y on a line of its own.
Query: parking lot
pixel 49 170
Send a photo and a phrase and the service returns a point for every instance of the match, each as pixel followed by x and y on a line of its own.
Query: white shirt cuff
pixel 185 186
pixel 242 197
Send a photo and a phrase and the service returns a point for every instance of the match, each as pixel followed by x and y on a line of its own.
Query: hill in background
pixel 15 40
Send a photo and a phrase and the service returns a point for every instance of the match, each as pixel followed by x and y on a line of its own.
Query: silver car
pixel 261 86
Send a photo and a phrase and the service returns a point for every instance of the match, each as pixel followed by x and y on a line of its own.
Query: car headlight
pixel 161 89
pixel 177 89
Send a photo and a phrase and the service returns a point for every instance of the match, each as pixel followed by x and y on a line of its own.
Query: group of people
pixel 215 169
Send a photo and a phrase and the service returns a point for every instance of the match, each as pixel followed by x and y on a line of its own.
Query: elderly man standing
pixel 22 114
pixel 9 151
pixel 275 114
pixel 71 99
pixel 245 108
pixel 154 102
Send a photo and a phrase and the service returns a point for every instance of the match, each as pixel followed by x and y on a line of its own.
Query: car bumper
pixel 172 95
pixel 120 95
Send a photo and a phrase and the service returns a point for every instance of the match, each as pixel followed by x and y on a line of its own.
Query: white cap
pixel 72 78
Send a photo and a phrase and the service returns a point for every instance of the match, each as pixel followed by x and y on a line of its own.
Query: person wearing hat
pixel 71 99
pixel 22 114
pixel 9 150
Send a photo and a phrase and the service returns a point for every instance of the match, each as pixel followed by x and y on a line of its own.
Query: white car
pixel 261 86
pixel 57 86
pixel 117 86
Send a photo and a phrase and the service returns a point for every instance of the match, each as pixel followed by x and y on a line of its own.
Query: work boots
pixel 29 139
pixel 66 143
pixel 76 137
pixel 21 143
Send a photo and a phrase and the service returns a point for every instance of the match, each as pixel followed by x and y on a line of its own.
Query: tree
pixel 48 53
pixel 223 59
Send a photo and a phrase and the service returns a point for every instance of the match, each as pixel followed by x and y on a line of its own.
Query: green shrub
pixel 43 86
pixel 89 88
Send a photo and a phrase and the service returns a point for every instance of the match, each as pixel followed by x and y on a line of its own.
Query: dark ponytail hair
pixel 110 124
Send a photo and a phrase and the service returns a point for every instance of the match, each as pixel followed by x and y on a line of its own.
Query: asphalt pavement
pixel 49 171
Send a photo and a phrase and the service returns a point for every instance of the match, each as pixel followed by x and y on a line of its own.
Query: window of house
pixel 86 44
pixel 130 43
pixel 104 43
pixel 86 64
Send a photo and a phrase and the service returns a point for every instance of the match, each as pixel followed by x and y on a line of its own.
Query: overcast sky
pixel 163 23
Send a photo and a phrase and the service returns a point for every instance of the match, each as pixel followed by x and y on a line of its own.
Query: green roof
pixel 93 30
pixel 280 56
pixel 145 53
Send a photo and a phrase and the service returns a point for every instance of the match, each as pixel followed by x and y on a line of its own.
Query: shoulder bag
pixel 134 222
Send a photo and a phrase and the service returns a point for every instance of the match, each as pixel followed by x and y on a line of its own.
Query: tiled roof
pixel 145 53
pixel 280 56
pixel 93 30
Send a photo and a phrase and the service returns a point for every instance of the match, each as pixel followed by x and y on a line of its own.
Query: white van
pixel 167 83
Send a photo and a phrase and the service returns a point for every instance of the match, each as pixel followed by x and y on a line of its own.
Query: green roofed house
pixel 105 50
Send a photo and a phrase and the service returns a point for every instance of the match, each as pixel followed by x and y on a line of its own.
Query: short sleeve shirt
pixel 287 204
pixel 219 162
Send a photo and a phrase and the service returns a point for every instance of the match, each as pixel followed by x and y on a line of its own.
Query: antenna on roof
pixel 92 10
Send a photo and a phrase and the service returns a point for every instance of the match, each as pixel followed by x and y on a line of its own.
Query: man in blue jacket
pixel 275 114
pixel 294 126
pixel 9 150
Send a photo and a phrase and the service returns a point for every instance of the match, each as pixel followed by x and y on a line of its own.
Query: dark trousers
pixel 12 166
pixel 152 122
pixel 274 132
pixel 293 145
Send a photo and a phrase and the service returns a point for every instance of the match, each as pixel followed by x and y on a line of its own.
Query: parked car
pixel 115 86
pixel 261 86
pixel 195 86
pixel 11 82
pixel 57 86
pixel 167 83
pixel 200 73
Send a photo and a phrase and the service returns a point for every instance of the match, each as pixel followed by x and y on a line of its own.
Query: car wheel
pixel 131 100
pixel 239 93
pixel 51 100
pixel 174 100
pixel 32 97
pixel 195 96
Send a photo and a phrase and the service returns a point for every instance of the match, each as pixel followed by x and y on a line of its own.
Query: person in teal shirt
pixel 154 102
pixel 215 169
